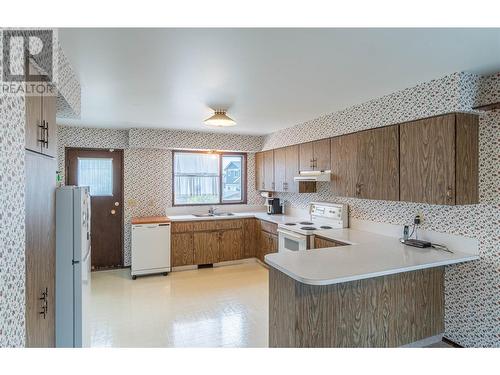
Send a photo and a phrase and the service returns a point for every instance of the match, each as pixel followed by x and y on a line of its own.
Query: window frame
pixel 221 154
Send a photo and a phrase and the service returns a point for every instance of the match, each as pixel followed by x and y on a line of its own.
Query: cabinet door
pixel 321 159
pixel 269 170
pixel 250 238
pixel 231 245
pixel 344 165
pixel 259 171
pixel 49 118
pixel 206 247
pixel 378 163
pixel 33 129
pixel 427 165
pixel 291 168
pixel 273 244
pixel 306 156
pixel 182 249
pixel 40 249
pixel 280 169
pixel 320 243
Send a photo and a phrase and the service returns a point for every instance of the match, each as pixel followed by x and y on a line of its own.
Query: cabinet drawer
pixel 269 227
pixel 182 227
pixel 229 224
pixel 206 225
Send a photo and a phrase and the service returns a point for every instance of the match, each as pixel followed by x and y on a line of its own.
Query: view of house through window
pixel 208 178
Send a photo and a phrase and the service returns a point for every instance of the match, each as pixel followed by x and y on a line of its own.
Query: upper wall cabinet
pixel 264 170
pixel 286 167
pixel 366 164
pixel 40 128
pixel 315 156
pixel 439 160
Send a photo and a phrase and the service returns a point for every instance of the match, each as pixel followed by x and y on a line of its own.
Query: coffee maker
pixel 273 206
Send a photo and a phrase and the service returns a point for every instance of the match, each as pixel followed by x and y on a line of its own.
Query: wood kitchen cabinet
pixel 439 160
pixel 250 237
pixel 315 156
pixel 320 242
pixel 268 239
pixel 182 248
pixel 280 169
pixel 231 245
pixel 40 127
pixel 206 247
pixel 259 170
pixel 366 164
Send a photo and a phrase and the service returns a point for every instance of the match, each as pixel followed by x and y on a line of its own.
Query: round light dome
pixel 220 119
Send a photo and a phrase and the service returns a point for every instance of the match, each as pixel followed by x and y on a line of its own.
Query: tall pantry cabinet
pixel 40 180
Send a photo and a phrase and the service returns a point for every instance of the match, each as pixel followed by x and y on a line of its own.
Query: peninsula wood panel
pixel 427 160
pixel 259 171
pixel 322 160
pixel 467 159
pixel 280 169
pixel 231 245
pixel 206 247
pixel 377 169
pixel 269 170
pixel 386 311
pixel 40 249
pixel 182 249
pixel 344 165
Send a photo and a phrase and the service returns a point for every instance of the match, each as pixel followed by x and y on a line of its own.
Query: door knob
pixel 117 204
pixel 113 212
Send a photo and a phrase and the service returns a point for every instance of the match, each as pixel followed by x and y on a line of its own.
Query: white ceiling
pixel 269 79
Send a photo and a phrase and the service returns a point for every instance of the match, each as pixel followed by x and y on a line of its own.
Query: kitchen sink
pixel 215 214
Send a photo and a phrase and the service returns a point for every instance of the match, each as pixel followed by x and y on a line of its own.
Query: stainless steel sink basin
pixel 215 214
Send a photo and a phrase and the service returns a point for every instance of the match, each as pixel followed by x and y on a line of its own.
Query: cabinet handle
pixel 358 189
pixel 46 134
pixel 42 133
pixel 272 185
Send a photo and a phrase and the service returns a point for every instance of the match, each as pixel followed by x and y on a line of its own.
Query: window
pixel 209 178
pixel 97 174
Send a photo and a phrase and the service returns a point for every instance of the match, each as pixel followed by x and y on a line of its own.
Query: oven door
pixel 291 241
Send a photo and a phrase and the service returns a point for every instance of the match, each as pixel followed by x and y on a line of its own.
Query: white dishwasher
pixel 150 247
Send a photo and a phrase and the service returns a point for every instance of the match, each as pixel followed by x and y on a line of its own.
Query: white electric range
pixel 299 236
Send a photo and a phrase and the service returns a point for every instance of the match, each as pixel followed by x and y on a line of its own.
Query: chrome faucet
pixel 211 210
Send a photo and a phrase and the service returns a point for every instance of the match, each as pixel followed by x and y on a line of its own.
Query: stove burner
pixel 308 228
pixel 306 223
pixel 290 224
pixel 325 227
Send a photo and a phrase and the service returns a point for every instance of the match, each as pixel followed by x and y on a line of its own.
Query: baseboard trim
pixel 424 342
pixel 451 343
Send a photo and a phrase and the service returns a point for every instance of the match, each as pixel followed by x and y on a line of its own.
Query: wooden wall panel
pixel 386 311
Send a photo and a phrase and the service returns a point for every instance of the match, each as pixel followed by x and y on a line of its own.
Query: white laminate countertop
pixel 367 255
pixel 278 219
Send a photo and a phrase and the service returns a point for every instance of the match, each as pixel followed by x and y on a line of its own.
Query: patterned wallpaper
pixel 148 170
pixel 472 314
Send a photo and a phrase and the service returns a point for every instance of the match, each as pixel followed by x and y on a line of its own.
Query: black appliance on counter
pixel 274 206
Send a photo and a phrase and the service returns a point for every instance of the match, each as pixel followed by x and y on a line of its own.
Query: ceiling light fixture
pixel 220 119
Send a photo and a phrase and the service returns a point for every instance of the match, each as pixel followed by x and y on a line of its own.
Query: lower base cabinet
pixel 206 247
pixel 182 249
pixel 231 245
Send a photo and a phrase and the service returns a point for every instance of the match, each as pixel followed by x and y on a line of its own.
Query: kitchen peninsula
pixel 373 292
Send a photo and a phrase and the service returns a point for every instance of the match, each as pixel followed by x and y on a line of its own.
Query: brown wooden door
pixel 306 156
pixel 427 165
pixel 231 245
pixel 344 165
pixel 259 171
pixel 206 247
pixel 104 169
pixel 33 130
pixel 378 163
pixel 269 170
pixel 40 249
pixel 321 151
pixel 291 168
pixel 49 118
pixel 280 169
pixel 182 249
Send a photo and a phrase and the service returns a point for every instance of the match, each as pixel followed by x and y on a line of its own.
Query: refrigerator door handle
pixel 73 262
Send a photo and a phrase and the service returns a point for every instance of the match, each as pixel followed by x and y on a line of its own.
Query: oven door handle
pixel 291 234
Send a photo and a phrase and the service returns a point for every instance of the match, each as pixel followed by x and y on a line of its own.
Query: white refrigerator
pixel 72 266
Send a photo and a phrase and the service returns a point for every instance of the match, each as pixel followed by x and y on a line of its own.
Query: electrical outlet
pixel 417 220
